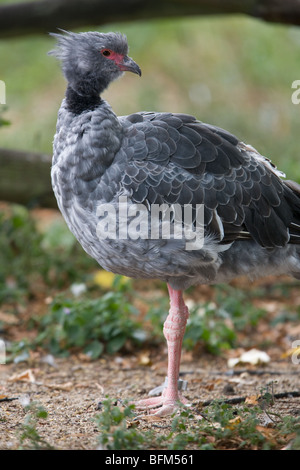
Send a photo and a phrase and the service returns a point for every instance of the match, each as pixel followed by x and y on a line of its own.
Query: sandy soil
pixel 70 390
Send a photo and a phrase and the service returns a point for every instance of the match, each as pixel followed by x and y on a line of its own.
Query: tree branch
pixel 47 15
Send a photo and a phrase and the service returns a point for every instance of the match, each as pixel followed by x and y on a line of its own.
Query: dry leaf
pixel 254 357
pixel 83 385
pixel 232 423
pixel 8 318
pixel 268 433
pixel 144 359
pixel 209 386
pixel 132 424
pixel 66 386
pixel 150 418
pixel 26 376
pixel 252 400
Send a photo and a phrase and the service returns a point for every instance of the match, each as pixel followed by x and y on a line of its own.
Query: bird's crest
pixel 68 41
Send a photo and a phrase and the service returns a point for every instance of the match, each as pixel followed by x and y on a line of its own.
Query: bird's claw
pixel 162 405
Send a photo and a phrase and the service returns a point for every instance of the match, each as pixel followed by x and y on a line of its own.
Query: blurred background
pixel 233 72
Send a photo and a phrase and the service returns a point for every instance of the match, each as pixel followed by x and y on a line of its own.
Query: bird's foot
pixel 164 405
pixel 161 406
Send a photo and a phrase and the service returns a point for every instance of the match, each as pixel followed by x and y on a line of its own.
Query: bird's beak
pixel 128 65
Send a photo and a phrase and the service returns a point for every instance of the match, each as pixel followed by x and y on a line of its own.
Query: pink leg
pixel 174 328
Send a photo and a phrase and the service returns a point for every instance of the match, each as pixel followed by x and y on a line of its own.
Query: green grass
pixel 219 426
pixel 233 72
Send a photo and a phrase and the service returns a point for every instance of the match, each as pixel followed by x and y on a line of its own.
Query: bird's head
pixel 90 61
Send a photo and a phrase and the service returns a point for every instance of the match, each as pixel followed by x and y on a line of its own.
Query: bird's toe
pixel 160 406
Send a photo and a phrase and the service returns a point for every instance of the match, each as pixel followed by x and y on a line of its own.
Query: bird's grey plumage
pixel 252 215
pixel 79 54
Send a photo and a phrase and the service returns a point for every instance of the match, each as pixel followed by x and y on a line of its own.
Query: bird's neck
pixel 78 103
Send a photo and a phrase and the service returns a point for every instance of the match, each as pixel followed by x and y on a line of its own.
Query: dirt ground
pixel 70 390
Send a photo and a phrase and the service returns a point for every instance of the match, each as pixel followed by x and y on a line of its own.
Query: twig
pixel 256 372
pixel 236 400
pixel 8 399
pixel 287 395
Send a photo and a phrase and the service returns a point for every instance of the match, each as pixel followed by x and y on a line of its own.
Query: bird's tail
pixel 294 227
pixel 295 187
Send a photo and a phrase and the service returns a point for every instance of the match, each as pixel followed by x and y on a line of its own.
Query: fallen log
pixel 25 178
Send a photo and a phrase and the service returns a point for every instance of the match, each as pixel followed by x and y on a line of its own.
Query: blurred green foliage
pixel 213 325
pixel 233 72
pixel 94 325
pixel 20 252
pixel 29 256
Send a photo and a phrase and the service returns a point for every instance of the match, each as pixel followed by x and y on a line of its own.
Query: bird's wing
pixel 173 158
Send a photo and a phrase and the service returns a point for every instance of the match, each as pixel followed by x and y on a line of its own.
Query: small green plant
pixel 114 433
pixel 290 426
pixel 236 304
pixel 29 436
pixel 20 252
pixel 221 426
pixel 218 426
pixel 28 255
pixel 205 325
pixel 212 324
pixel 3 122
pixel 94 325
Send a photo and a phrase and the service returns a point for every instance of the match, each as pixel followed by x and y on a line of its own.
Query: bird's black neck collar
pixel 77 104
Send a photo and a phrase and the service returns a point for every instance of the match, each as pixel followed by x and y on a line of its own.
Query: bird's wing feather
pixel 177 159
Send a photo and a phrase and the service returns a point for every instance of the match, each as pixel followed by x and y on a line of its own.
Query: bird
pixel 111 173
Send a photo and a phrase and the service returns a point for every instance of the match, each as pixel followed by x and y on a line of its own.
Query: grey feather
pixel 251 215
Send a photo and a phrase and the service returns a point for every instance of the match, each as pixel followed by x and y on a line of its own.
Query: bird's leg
pixel 174 328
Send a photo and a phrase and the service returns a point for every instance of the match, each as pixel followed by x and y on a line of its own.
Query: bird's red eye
pixel 106 52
